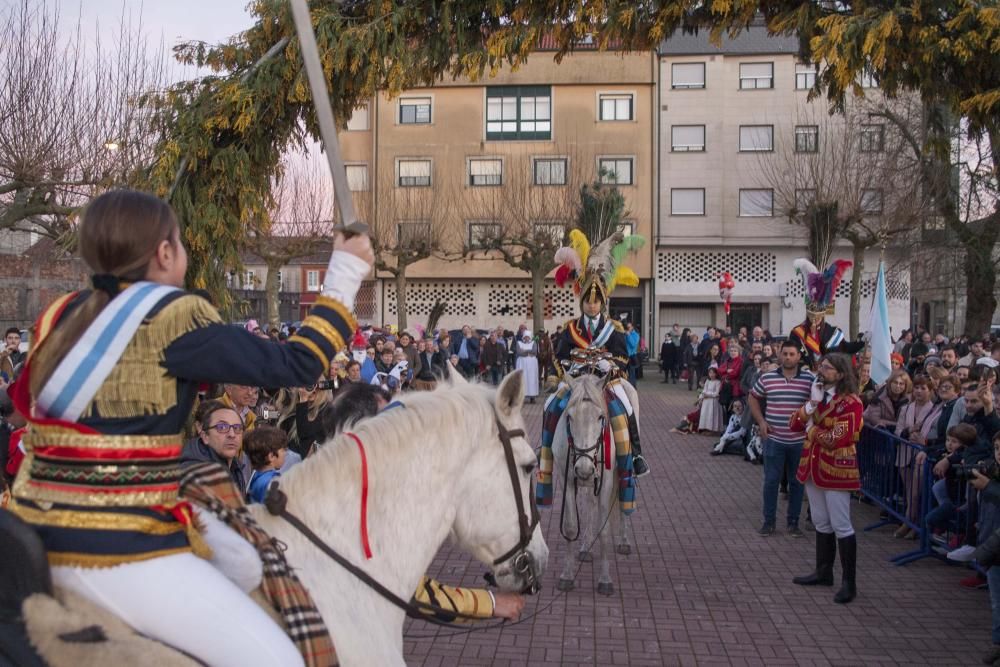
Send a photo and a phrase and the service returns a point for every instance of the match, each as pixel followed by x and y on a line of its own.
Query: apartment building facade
pixel 730 119
pixel 462 162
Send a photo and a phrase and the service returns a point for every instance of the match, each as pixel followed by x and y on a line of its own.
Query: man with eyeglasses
pixel 219 440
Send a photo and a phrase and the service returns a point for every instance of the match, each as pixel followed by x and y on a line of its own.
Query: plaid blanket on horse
pixel 618 423
pixel 209 486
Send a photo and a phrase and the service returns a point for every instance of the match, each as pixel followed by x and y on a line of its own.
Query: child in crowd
pixel 266 447
pixel 755 448
pixel 944 490
pixel 732 439
pixel 710 417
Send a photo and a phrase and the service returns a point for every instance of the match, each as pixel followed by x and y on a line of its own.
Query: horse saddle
pixel 41 626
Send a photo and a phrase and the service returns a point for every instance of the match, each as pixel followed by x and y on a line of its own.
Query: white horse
pixel 584 418
pixel 436 468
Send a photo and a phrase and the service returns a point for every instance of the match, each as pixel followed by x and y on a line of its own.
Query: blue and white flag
pixel 878 332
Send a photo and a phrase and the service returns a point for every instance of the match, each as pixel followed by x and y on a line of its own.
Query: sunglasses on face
pixel 223 428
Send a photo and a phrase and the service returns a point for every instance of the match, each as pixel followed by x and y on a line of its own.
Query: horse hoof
pixel 605 588
pixel 585 557
pixel 565 585
pixel 624 549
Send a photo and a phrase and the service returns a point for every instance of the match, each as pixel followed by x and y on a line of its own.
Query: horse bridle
pixel 522 562
pixel 573 455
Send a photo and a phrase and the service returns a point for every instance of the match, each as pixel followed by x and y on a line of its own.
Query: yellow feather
pixel 578 241
pixel 625 276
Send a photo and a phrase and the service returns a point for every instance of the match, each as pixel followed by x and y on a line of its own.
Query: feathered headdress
pixel 596 270
pixel 821 287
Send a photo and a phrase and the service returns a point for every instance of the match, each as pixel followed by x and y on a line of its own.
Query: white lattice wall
pixel 705 266
pixel 481 304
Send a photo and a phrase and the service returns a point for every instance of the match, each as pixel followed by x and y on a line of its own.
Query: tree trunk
pixel 401 296
pixel 272 294
pixel 856 277
pixel 537 300
pixel 980 284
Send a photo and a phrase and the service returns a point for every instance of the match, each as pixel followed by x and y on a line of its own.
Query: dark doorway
pixel 630 306
pixel 747 315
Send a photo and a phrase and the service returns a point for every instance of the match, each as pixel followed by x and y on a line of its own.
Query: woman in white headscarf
pixel 527 361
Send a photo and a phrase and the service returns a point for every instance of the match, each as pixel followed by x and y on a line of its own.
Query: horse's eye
pixel 528 468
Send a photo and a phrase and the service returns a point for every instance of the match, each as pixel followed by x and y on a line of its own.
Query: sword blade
pixel 324 116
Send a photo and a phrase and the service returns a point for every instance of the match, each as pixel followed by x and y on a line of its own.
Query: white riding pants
pixel 830 510
pixel 190 603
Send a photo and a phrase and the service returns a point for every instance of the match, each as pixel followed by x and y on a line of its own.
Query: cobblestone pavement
pixel 702 588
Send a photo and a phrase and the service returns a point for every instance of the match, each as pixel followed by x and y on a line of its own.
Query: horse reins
pixel 574 454
pixel 276 502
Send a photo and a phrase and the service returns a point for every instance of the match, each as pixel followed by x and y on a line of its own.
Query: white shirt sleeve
pixel 343 277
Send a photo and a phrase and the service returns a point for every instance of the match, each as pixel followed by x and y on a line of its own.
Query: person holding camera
pixel 832 420
pixel 987 483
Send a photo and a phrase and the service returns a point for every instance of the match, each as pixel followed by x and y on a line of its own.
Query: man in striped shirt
pixel 783 391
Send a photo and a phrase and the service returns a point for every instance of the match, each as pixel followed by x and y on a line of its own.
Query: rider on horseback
pixel 113 375
pixel 595 274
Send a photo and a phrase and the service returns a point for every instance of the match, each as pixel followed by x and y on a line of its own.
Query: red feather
pixel 842 266
pixel 563 275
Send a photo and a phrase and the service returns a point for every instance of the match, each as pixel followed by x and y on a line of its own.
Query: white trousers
pixel 190 604
pixel 830 510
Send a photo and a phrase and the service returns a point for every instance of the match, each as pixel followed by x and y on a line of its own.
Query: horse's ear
pixel 510 395
pixel 455 377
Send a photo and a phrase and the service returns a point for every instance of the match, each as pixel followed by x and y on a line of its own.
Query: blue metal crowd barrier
pixel 892 479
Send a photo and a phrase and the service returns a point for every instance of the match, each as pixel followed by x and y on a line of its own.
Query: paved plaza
pixel 702 588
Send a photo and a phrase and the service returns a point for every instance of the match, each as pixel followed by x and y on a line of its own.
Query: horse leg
pixel 586 530
pixel 624 543
pixel 568 526
pixel 601 521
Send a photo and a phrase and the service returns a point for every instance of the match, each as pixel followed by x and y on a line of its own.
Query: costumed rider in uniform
pixel 594 274
pixel 109 385
pixel 815 336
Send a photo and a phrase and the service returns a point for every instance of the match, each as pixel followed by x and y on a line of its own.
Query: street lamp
pixel 112 146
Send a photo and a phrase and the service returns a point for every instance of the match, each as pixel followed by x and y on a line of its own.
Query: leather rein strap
pixel 276 503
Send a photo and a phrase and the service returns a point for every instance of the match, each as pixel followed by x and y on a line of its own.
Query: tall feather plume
pixel 631 243
pixel 435 315
pixel 578 241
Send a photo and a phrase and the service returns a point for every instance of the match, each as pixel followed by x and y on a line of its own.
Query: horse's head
pixel 497 520
pixel 586 416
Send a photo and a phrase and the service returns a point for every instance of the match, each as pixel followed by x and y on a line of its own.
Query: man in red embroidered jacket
pixel 828 468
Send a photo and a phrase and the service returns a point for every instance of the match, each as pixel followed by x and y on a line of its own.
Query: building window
pixel 551 232
pixel 249 280
pixel 868 79
pixel 627 227
pixel 615 170
pixel 413 234
pixel 755 138
pixel 357 177
pixel 871 202
pixel 312 281
pixel 413 173
pixel 687 138
pixel 872 138
pixel 549 171
pixel 485 171
pixel 483 235
pixel 414 110
pixel 616 107
pixel 805 76
pixel 804 198
pixel 756 75
pixel 518 112
pixel 806 138
pixel 687 201
pixel 358 122
pixel 687 75
pixel 756 203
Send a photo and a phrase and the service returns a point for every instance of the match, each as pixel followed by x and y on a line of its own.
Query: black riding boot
pixel 848 562
pixel 639 465
pixel 826 553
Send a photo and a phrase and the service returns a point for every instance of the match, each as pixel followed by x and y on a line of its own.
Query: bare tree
pixel 71 118
pixel 844 177
pixel 410 220
pixel 524 222
pixel 960 171
pixel 299 224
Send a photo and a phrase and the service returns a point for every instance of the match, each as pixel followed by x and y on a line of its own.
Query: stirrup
pixel 639 466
